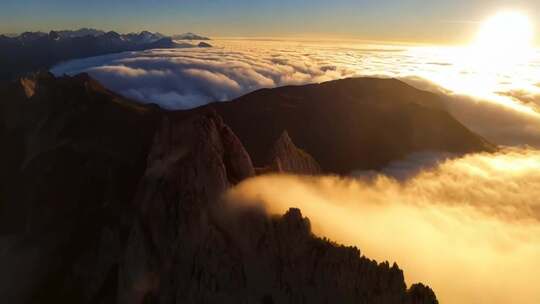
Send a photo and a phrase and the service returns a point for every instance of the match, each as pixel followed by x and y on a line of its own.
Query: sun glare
pixel 503 46
pixel 507 36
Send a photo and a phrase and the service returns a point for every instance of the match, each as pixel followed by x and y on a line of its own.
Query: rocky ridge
pixel 349 124
pixel 107 201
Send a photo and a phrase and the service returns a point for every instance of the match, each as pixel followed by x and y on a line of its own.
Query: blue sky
pixel 399 20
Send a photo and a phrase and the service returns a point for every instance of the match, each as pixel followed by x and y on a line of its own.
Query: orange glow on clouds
pixel 469 228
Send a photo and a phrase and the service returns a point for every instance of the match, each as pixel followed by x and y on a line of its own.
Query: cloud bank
pixel 469 227
pixel 497 122
pixel 186 78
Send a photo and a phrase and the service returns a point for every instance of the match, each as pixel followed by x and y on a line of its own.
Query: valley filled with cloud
pixel 505 113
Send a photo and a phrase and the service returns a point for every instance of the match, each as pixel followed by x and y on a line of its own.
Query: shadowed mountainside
pixel 350 124
pixel 107 201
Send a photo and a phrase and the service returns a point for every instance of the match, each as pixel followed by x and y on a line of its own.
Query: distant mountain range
pixel 189 36
pixel 80 33
pixel 32 51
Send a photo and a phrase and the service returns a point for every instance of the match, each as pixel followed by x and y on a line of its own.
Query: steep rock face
pixel 349 124
pixel 190 165
pixel 287 158
pixel 188 246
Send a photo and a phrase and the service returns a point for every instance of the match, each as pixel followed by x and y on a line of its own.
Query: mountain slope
pixel 107 201
pixel 67 140
pixel 346 125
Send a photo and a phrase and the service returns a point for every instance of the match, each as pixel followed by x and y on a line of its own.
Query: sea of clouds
pixel 191 77
pixel 186 78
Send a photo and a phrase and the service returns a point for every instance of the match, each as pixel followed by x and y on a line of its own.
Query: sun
pixel 506 34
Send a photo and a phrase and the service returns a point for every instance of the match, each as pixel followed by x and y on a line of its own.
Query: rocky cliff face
pixel 190 165
pixel 286 157
pixel 108 202
pixel 187 246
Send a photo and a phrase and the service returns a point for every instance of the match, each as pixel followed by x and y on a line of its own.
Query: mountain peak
pixel 112 34
pixel 347 125
pixel 204 45
pixel 285 156
pixel 189 36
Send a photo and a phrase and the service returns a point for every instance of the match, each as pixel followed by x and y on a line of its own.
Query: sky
pixel 434 21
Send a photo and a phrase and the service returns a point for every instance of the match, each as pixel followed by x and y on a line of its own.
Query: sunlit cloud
pixel 530 98
pixel 469 227
pixel 500 106
pixel 182 78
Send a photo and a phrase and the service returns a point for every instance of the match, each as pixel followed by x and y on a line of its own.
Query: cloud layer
pixel 469 227
pixel 186 78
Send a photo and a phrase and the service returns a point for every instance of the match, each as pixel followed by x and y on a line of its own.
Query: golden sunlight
pixel 505 37
pixel 476 218
pixel 502 48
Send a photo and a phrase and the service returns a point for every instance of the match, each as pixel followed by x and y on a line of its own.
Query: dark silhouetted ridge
pixel 350 124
